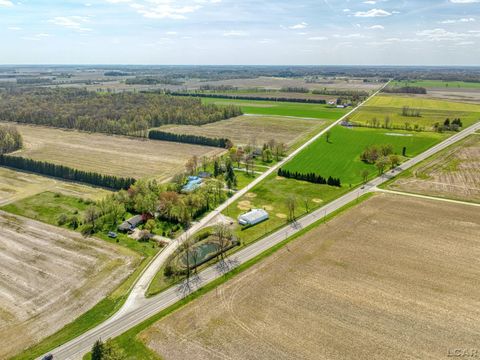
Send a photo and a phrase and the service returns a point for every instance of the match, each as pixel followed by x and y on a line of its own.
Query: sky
pixel 251 32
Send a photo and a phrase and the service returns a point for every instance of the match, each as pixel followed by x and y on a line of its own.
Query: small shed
pixel 204 175
pixel 131 223
pixel 253 217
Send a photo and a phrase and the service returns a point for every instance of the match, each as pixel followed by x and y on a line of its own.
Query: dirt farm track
pixel 394 278
pixel 48 277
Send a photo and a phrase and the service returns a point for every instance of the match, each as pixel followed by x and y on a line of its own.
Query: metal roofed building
pixel 253 217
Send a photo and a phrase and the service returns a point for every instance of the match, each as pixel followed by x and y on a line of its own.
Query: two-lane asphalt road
pixel 146 308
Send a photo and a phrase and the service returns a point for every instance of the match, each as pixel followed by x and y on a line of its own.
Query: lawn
pixel 318 111
pixel 340 158
pixel 435 84
pixel 271 194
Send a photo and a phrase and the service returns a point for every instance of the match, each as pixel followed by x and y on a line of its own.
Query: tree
pixel 306 203
pixel 364 173
pixel 150 225
pixel 381 164
pixel 394 160
pixel 62 219
pixel 230 177
pixel 291 204
pixel 91 214
pixel 97 350
pixel 328 135
pixel 223 236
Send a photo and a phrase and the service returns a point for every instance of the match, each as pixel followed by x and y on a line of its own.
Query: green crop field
pixel 435 84
pixel 431 111
pixel 318 111
pixel 340 158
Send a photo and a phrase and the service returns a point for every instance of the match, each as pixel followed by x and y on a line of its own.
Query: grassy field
pixel 271 195
pixel 340 158
pixel 317 111
pixel 255 129
pixel 16 185
pixel 106 154
pixel 453 173
pixel 435 84
pixel 49 277
pixel 342 287
pixel 432 111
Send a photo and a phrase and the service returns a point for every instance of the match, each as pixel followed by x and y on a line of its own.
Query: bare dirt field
pixel 461 94
pixel 16 185
pixel 276 83
pixel 254 129
pixel 49 276
pixel 106 154
pixel 394 278
pixel 454 173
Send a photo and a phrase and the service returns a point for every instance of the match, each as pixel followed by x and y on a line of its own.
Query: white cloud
pixel 7 3
pixel 464 1
pixel 14 28
pixel 71 22
pixel 302 25
pixel 346 10
pixel 235 33
pixel 370 2
pixel 373 13
pixel 444 35
pixel 171 33
pixel 376 27
pixel 317 38
pixel 454 21
pixel 165 9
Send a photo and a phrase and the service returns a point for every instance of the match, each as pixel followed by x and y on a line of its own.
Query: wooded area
pixel 10 139
pixel 248 97
pixel 112 113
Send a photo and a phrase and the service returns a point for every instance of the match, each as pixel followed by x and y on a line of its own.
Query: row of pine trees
pixel 310 177
pixel 65 172
pixel 189 139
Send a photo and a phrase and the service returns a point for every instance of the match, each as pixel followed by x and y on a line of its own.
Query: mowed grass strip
pixel 254 129
pixel 437 84
pixel 107 154
pixel 260 107
pixel 431 110
pixel 340 157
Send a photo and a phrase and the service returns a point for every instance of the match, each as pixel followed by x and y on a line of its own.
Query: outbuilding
pixel 130 224
pixel 253 217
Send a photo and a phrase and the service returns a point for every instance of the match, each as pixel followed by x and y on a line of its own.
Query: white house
pixel 253 217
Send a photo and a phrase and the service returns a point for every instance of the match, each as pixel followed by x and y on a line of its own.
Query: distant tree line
pixel 189 139
pixel 113 113
pixel 248 97
pixel 152 80
pixel 405 90
pixel 209 87
pixel 409 112
pixel 33 81
pixel 115 73
pixel 65 172
pixel 10 139
pixel 310 177
pixel 294 89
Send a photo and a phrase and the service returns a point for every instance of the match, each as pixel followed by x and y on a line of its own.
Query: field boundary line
pixel 428 197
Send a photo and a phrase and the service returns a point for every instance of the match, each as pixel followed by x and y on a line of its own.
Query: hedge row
pixel 246 97
pixel 310 177
pixel 189 139
pixel 65 172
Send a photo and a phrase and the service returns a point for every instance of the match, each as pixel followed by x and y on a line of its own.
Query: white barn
pixel 253 217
